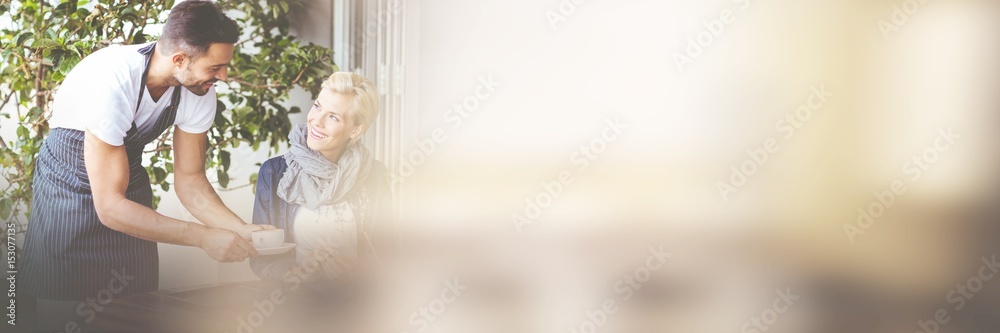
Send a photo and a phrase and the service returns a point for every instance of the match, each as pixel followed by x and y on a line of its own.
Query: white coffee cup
pixel 265 239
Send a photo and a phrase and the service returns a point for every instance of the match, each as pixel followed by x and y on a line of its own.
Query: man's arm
pixel 107 169
pixel 194 190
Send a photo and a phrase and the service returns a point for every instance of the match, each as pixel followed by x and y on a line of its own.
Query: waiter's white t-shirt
pixel 99 95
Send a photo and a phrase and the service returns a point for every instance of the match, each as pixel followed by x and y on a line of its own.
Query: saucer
pixel 275 250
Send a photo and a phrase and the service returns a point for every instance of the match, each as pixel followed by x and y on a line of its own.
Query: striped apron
pixel 68 253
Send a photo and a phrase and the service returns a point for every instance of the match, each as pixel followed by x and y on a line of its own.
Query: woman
pixel 327 192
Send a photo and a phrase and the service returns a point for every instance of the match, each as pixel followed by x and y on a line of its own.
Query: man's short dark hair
pixel 193 26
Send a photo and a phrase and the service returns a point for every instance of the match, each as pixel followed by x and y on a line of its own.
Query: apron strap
pixel 166 118
pixel 146 51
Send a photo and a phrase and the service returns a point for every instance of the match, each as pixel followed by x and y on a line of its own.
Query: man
pixel 92 228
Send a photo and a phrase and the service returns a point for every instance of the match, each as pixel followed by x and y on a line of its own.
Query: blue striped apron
pixel 68 253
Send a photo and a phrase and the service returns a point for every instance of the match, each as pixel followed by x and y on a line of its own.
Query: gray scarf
pixel 313 181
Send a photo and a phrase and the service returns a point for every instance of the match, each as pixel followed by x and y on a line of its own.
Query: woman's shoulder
pixel 274 166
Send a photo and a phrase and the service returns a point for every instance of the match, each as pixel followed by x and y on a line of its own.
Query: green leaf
pixel 67 64
pixel 82 13
pixel 245 134
pixel 223 178
pixel 75 47
pixel 22 133
pixel 7 70
pixel 224 159
pixel 129 14
pixel 160 174
pixel 5 208
pixel 58 76
pixel 24 36
pixel 65 8
pixel 34 113
pixel 44 43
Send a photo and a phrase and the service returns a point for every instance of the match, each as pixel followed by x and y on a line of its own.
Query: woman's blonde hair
pixel 366 102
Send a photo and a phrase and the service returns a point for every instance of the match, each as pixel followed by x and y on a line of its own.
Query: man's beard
pixel 185 78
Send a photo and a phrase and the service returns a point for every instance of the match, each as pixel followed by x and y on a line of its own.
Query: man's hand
pixel 246 229
pixel 226 246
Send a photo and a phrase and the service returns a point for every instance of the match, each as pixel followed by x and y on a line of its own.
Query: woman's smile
pixel 316 135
